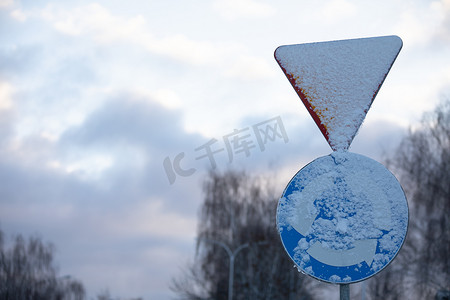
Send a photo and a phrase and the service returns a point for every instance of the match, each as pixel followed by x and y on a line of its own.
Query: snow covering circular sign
pixel 342 218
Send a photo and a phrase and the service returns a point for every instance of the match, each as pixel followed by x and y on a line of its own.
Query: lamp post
pixel 232 256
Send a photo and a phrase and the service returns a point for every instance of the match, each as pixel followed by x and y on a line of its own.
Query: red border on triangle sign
pixel 337 81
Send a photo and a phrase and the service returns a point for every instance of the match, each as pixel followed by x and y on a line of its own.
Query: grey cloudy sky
pixel 95 95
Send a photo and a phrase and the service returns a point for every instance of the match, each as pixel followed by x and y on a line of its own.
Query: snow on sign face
pixel 338 81
pixel 342 218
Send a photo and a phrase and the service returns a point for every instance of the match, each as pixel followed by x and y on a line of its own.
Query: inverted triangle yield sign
pixel 338 81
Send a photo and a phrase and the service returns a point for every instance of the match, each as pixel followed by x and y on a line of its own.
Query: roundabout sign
pixel 342 218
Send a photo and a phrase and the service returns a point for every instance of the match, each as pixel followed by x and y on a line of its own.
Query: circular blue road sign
pixel 342 218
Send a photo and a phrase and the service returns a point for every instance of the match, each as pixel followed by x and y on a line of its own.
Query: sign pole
pixel 344 290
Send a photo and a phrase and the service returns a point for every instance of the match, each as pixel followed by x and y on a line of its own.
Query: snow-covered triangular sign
pixel 338 81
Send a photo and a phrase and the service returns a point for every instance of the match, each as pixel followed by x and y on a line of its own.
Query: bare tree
pixel 238 213
pixel 27 271
pixel 422 162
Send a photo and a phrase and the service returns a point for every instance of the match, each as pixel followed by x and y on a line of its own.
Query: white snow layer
pixel 339 80
pixel 341 203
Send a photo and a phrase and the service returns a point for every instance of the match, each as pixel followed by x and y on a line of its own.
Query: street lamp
pixel 232 255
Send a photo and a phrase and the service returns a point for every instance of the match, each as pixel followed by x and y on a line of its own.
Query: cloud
pixel 443 32
pixel 126 218
pixel 127 139
pixel 6 91
pixel 91 234
pixel 117 150
pixel 19 15
pixel 249 67
pixel 6 3
pixel 167 97
pixel 17 58
pixel 126 119
pixel 337 10
pixel 150 218
pixel 96 22
pixel 424 23
pixel 131 267
pixel 187 50
pixel 233 9
pixel 378 138
pixel 99 24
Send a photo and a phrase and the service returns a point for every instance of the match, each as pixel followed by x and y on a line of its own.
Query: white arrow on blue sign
pixel 343 218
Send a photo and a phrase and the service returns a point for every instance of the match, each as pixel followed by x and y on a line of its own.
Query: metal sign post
pixel 343 217
pixel 344 292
